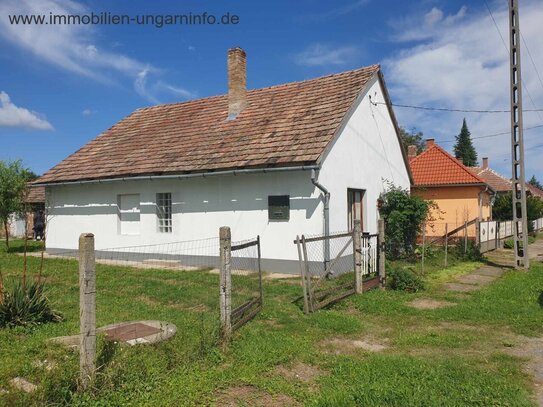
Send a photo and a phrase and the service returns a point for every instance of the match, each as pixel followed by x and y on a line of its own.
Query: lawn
pixel 455 356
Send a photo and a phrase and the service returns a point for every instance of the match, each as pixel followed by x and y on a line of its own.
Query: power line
pixel 507 51
pixel 444 109
pixel 531 59
pixel 494 134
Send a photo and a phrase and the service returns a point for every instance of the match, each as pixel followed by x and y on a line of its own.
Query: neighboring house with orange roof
pixel 460 194
pixel 304 157
pixel 501 184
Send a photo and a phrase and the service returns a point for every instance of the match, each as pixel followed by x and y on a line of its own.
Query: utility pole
pixel 520 223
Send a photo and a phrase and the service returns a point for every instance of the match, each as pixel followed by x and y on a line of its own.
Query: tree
pixel 534 182
pixel 503 208
pixel 412 138
pixel 404 217
pixel 13 179
pixel 463 149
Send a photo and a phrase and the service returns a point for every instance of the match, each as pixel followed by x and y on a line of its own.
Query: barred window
pixel 164 212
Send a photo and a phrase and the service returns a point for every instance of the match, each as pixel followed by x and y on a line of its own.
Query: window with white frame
pixel 164 212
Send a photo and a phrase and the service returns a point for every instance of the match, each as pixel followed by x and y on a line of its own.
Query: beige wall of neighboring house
pixel 455 206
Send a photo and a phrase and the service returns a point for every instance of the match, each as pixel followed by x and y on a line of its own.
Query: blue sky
pixel 61 86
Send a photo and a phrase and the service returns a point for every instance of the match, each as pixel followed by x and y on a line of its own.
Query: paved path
pixel 475 280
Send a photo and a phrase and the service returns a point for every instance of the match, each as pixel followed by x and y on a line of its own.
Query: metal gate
pixel 246 282
pixel 336 266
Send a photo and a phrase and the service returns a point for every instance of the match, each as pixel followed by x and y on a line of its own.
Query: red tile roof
pixel 536 192
pixel 435 166
pixel 496 181
pixel 35 194
pixel 283 125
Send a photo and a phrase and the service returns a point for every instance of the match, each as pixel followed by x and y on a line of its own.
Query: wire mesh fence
pixel 246 281
pixel 335 266
pixel 145 292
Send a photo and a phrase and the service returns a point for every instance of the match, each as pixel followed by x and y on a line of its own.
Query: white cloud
pixel 88 112
pixel 69 47
pixel 15 116
pixel 463 64
pixel 415 28
pixel 336 12
pixel 326 55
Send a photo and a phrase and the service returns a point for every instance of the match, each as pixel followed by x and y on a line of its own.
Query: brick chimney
pixel 429 143
pixel 485 163
pixel 411 152
pixel 237 82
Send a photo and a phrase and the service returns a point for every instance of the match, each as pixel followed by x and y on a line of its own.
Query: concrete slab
pixel 429 303
pixel 127 332
pixel 462 288
pixel 476 279
pixel 490 271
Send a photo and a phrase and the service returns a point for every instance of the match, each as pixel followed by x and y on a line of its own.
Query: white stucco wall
pixel 200 206
pixel 365 156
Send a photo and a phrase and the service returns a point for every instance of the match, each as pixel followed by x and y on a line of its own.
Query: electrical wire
pixel 494 134
pixel 444 109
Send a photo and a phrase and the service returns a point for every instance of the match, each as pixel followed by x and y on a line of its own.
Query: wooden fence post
pixel 423 246
pixel 446 242
pixel 225 283
pixel 357 246
pixel 87 310
pixel 381 242
pixel 465 237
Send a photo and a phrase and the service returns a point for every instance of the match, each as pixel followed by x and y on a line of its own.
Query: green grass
pixel 451 356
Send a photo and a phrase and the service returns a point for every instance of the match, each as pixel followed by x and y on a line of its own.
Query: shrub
pixel 404 217
pixel 26 306
pixel 471 254
pixel 510 244
pixel 405 280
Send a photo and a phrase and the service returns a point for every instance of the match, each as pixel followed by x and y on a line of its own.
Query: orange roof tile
pixel 283 125
pixel 435 166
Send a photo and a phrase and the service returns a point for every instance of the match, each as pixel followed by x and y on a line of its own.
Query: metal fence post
pixel 302 275
pixel 225 292
pixel 357 246
pixel 87 310
pixel 381 242
pixel 446 242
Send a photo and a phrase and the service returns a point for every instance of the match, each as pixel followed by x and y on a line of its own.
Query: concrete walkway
pixel 475 280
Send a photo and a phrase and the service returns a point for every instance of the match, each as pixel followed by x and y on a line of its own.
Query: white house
pixel 304 157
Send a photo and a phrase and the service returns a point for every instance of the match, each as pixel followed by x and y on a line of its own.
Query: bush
pixel 405 280
pixel 404 217
pixel 471 254
pixel 26 306
pixel 510 244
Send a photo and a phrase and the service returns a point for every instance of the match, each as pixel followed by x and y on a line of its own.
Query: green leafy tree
pixel 503 208
pixel 13 179
pixel 533 181
pixel 463 149
pixel 404 217
pixel 412 138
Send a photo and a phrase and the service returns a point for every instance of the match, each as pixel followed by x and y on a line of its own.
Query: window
pixel 355 207
pixel 129 214
pixel 279 207
pixel 164 212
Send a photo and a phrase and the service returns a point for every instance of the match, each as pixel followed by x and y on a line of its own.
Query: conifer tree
pixel 463 149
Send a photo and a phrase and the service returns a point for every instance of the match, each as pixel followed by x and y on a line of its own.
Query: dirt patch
pixel 532 350
pixel 300 371
pixel 252 396
pixel 429 303
pixel 349 346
